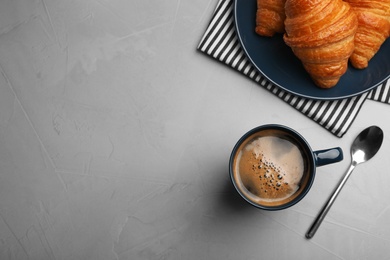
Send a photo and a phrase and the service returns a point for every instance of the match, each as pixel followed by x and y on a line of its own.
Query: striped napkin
pixel 220 41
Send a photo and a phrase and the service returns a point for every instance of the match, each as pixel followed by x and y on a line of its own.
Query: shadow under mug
pixel 273 167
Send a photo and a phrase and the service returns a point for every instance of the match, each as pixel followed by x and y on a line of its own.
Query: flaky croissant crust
pixel 321 34
pixel 318 23
pixel 270 17
pixel 373 29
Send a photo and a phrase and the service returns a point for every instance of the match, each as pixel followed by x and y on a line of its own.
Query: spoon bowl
pixel 366 144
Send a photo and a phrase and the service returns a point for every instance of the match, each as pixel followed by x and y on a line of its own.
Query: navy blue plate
pixel 275 60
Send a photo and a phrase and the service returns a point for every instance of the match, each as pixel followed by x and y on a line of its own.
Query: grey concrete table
pixel 115 135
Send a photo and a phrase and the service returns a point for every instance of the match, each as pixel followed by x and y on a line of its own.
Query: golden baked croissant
pixel 270 17
pixel 321 34
pixel 373 29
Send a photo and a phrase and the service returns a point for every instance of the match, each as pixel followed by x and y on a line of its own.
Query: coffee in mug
pixel 273 167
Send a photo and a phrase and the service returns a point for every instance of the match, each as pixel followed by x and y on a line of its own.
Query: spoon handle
pixel 317 222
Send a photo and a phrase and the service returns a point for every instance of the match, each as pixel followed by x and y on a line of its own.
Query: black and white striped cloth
pixel 220 41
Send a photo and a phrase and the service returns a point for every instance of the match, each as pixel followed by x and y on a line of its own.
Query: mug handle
pixel 328 156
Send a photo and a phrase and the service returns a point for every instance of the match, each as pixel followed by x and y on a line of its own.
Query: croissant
pixel 270 17
pixel 321 34
pixel 373 29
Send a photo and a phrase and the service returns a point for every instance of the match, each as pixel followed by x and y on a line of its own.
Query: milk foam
pixel 270 168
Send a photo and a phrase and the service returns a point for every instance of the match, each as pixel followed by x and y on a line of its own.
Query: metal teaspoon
pixel 363 148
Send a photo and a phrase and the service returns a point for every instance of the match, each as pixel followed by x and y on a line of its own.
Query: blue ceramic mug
pixel 273 167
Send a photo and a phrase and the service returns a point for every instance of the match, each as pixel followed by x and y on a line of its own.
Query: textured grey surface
pixel 115 135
